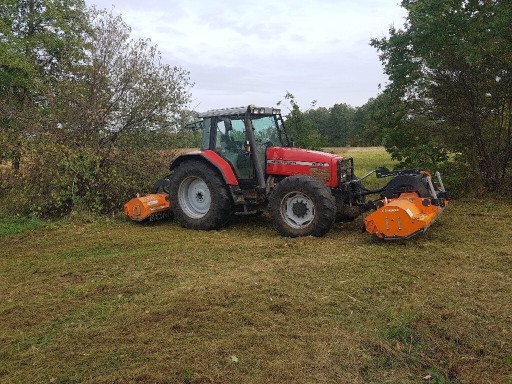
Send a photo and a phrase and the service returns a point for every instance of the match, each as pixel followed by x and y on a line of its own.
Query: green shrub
pixel 56 179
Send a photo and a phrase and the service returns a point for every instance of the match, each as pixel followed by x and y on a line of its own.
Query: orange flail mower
pixel 407 214
pixel 403 217
pixel 154 206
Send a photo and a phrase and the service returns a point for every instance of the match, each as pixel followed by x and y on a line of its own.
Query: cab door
pixel 230 141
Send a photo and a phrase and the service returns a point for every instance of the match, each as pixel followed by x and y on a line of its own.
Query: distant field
pixel 366 159
pixel 104 300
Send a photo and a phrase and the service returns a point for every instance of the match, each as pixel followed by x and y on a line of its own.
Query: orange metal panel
pixel 141 207
pixel 402 217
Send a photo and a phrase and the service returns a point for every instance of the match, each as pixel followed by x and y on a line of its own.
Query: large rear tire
pixel 302 206
pixel 199 196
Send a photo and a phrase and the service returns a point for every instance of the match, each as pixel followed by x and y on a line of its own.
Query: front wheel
pixel 199 197
pixel 302 206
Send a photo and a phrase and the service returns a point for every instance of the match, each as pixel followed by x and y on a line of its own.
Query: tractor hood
pixel 295 161
pixel 300 155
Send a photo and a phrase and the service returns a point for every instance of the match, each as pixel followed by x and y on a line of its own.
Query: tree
pixel 320 121
pixel 450 70
pixel 124 87
pixel 370 120
pixel 84 104
pixel 341 124
pixel 299 127
pixel 122 97
pixel 41 41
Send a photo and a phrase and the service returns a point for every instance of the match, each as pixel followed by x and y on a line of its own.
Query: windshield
pixel 269 130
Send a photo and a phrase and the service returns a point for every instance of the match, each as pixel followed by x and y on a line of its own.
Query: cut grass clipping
pixel 110 301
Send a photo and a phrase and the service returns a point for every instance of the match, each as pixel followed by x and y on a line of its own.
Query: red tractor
pixel 247 163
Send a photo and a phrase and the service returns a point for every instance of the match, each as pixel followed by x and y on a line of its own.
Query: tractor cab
pixel 242 135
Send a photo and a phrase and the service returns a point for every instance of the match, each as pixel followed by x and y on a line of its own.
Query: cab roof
pixel 240 111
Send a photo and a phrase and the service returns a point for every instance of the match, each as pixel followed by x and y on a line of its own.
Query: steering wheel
pixel 266 143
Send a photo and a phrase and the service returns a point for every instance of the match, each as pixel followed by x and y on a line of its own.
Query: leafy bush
pixel 57 179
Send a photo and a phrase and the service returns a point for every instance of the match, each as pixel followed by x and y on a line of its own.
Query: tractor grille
pixel 345 170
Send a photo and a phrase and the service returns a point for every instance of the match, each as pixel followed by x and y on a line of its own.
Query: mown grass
pixel 110 301
pixel 14 224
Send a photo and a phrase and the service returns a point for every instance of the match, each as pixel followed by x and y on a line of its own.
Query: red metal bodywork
pixel 281 161
pixel 222 164
pixel 285 161
pixel 218 161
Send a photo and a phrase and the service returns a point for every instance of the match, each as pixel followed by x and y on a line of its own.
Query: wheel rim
pixel 194 197
pixel 297 210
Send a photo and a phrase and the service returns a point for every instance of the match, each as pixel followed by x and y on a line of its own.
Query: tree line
pixel 448 102
pixel 82 103
pixel 341 125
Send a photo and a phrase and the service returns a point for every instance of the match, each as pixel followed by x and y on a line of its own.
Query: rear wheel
pixel 200 196
pixel 302 206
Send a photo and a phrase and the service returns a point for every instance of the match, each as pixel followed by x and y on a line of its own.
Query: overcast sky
pixel 252 52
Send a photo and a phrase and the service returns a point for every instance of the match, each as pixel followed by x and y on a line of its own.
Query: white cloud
pixel 244 51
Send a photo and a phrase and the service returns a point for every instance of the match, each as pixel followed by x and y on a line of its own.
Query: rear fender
pixel 212 158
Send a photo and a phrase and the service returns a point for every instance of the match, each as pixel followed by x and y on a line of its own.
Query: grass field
pixel 104 300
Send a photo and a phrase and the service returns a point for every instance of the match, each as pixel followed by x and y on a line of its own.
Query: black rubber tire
pixel 208 182
pixel 302 198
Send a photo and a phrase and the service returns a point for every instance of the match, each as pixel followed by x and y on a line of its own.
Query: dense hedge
pixel 55 178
